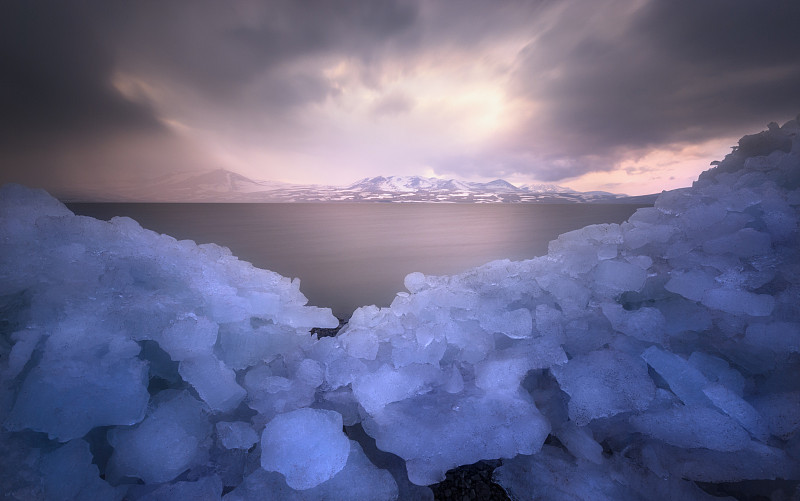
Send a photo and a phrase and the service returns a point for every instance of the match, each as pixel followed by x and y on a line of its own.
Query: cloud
pixel 546 89
pixel 640 75
pixel 392 104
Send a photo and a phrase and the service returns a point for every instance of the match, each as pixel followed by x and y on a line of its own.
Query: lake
pixel 349 254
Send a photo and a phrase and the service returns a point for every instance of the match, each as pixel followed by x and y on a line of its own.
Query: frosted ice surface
pixel 740 410
pixel 307 446
pixel 579 442
pixel 66 398
pixel 690 284
pixel 214 382
pixel 646 324
pixel 204 489
pixel 554 474
pixel 68 473
pixel 780 337
pixel 436 432
pixel 683 379
pixel 693 427
pixel 738 302
pixel 359 480
pixel 172 439
pixel 236 435
pixel 619 276
pixel 604 383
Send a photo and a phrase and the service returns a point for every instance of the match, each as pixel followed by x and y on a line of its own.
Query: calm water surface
pixel 350 255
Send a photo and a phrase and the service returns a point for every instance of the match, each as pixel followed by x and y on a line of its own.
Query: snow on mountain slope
pixel 225 186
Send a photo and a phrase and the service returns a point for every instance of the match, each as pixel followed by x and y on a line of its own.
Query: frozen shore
pixel 659 359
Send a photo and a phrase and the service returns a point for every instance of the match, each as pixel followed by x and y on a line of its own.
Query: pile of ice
pixel 633 361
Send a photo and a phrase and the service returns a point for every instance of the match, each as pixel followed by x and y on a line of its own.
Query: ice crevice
pixel 645 360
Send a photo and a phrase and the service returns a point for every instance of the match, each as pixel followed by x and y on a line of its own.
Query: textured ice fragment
pixel 204 489
pixel 683 379
pixel 360 342
pixel 755 461
pixel 307 446
pixel 716 369
pixel 68 473
pixel 172 439
pixel 189 337
pixel 693 427
pixel 572 295
pixel 690 284
pixel 646 324
pixel 579 442
pixel 214 382
pixel 746 242
pixel 359 480
pixel 386 385
pixel 553 474
pixel 549 322
pixel 502 371
pixel 415 282
pixel 516 324
pixel 779 337
pixel 737 302
pixel 781 411
pixel 742 412
pixel 604 383
pixel 305 317
pixel 66 398
pixel 236 434
pixel 619 276
pixel 438 431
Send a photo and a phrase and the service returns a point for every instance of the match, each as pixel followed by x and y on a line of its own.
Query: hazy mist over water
pixel 351 255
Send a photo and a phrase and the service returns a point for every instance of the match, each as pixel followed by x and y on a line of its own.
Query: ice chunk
pixel 604 383
pixel 716 369
pixel 68 473
pixel 204 489
pixel 189 337
pixel 683 379
pixel 746 242
pixel 779 337
pixel 307 446
pixel 646 324
pixel 737 302
pixel 387 385
pixel 359 480
pixel 66 396
pixel 741 411
pixel 693 427
pixel 172 439
pixel 214 382
pixel 236 434
pixel 781 411
pixel 619 276
pixel 690 284
pixel 438 431
pixel 515 324
pixel 553 474
pixel 579 442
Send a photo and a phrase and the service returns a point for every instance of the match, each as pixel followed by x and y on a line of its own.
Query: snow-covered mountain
pixel 226 186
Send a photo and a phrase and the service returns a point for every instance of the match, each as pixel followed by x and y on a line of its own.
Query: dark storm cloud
pixel 602 80
pixel 55 76
pixel 62 116
pixel 672 71
pixel 218 48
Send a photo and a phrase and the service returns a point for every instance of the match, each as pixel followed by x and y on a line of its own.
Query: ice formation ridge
pixel 633 361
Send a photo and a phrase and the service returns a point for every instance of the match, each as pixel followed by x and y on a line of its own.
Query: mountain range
pixel 226 186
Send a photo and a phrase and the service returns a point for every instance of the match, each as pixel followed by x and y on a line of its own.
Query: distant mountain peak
pixel 221 185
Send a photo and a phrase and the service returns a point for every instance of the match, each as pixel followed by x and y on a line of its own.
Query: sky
pixel 627 96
